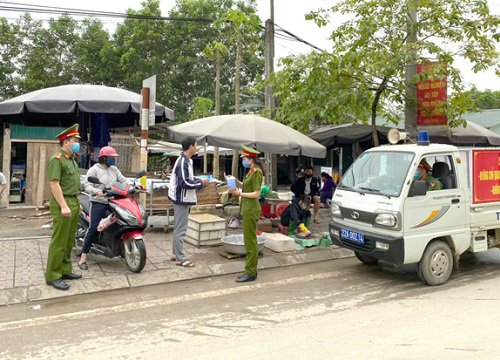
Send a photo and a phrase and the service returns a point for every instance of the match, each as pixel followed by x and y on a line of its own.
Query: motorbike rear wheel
pixel 134 253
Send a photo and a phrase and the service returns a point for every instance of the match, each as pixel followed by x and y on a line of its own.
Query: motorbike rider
pixel 107 173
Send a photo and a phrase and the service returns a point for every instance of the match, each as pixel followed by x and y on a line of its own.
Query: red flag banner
pixel 486 176
pixel 431 98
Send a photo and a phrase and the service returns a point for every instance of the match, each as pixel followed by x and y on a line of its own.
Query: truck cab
pixel 384 210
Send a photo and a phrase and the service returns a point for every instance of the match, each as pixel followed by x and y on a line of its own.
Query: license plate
pixel 352 236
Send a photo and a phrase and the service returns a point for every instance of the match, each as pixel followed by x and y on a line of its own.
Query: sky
pixel 289 14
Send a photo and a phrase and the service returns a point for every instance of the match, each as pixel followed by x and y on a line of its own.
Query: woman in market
pixel 250 209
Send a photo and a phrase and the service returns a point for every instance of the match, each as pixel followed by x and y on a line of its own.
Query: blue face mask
pixel 245 163
pixel 110 161
pixel 417 176
pixel 75 147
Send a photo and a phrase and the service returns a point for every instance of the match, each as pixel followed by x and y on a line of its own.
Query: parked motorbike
pixel 122 229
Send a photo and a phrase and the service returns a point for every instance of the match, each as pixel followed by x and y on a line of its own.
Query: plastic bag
pixel 106 222
pixel 234 223
pixel 302 231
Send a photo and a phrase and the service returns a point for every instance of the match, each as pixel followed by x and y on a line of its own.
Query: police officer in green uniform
pixel 64 181
pixel 250 210
pixel 423 173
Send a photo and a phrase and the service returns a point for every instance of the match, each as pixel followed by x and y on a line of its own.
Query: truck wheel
pixel 366 259
pixel 436 264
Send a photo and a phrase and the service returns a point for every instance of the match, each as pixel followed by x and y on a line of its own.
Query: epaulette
pixel 58 156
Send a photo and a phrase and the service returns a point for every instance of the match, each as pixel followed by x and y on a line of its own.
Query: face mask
pixel 110 161
pixel 417 176
pixel 75 147
pixel 309 176
pixel 246 164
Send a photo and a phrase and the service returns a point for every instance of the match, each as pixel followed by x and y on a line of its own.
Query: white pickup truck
pixel 382 213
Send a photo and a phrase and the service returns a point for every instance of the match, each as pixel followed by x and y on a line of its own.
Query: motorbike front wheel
pixel 134 253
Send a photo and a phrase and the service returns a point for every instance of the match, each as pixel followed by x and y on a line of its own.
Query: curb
pixel 34 293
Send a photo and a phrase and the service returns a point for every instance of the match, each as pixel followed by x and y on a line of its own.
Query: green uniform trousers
pixel 250 238
pixel 63 238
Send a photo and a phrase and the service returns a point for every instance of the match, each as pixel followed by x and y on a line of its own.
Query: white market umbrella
pixel 232 131
pixel 175 149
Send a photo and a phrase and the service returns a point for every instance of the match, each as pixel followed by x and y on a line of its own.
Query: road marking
pixel 166 301
pixel 39 237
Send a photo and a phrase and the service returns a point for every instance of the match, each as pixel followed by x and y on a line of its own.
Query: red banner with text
pixel 431 96
pixel 485 176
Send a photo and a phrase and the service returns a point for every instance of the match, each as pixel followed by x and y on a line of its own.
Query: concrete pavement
pixel 22 270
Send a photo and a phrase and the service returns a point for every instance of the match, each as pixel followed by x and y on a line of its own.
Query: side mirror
pixel 419 188
pixel 93 180
pixel 140 174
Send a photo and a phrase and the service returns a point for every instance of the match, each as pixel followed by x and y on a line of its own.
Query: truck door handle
pixel 455 201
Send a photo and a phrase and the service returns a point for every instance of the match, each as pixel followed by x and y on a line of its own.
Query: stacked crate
pixel 205 229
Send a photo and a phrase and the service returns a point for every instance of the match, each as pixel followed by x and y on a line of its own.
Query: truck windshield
pixel 378 172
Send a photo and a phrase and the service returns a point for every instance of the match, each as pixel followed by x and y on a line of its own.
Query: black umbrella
pixel 346 134
pixel 72 99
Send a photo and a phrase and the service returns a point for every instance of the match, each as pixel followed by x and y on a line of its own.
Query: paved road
pixel 339 309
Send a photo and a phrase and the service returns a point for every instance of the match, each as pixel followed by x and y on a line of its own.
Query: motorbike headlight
pixel 127 216
pixel 387 220
pixel 335 208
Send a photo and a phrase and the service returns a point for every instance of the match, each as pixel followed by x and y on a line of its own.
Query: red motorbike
pixel 122 229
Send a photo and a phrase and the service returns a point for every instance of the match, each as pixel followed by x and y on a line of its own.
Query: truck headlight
pixel 335 208
pixel 387 220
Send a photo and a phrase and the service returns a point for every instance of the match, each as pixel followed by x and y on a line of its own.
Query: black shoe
pixel 71 276
pixel 240 276
pixel 59 284
pixel 246 278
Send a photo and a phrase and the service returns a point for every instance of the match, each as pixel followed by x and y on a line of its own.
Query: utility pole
pixel 411 68
pixel 271 159
pixel 147 118
pixel 218 61
pixel 237 76
pixel 144 139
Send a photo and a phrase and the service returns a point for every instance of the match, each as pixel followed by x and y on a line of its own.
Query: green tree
pixel 239 23
pixel 484 100
pixel 364 75
pixel 48 53
pixel 9 50
pixel 192 76
pixel 92 58
pixel 140 47
pixel 202 107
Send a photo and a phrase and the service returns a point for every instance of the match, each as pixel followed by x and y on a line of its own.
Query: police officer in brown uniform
pixel 64 180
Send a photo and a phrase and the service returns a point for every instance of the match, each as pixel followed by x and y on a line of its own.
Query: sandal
pixel 83 266
pixel 185 263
